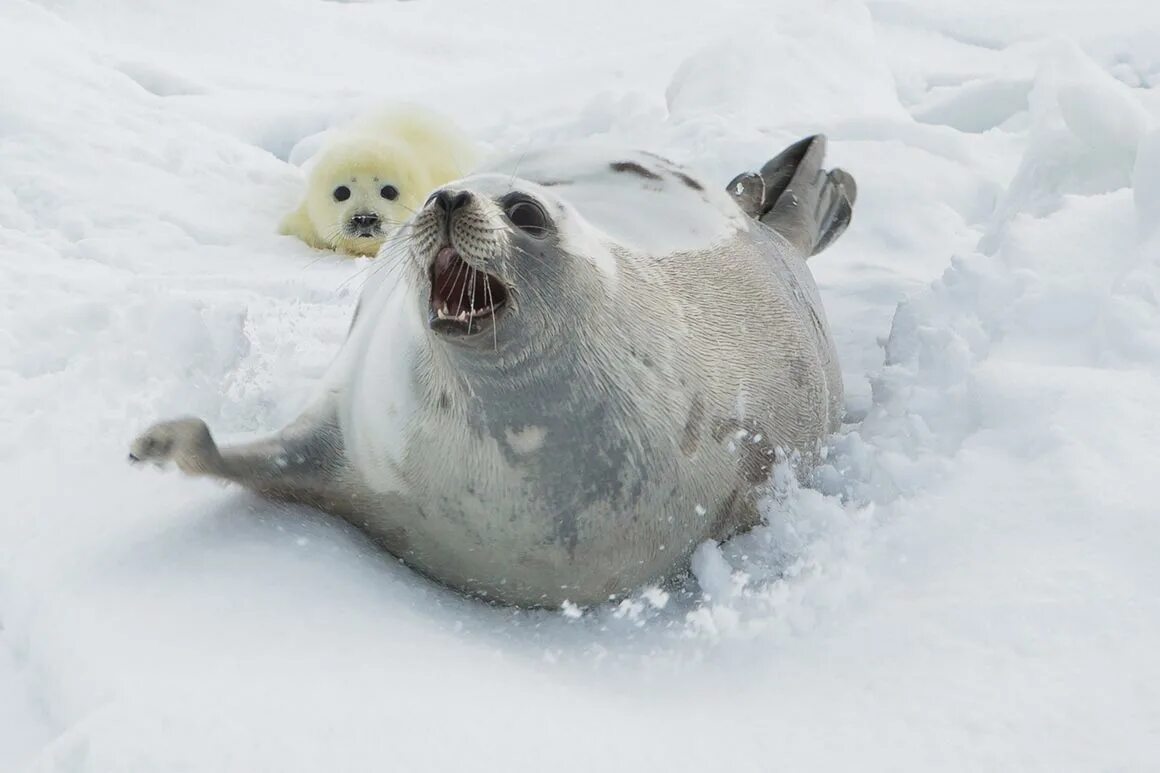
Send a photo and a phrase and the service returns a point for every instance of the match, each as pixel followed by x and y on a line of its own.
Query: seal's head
pixel 360 191
pixel 534 249
pixel 373 175
pixel 496 261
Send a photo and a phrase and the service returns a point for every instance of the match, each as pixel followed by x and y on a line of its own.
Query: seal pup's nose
pixel 364 220
pixel 449 201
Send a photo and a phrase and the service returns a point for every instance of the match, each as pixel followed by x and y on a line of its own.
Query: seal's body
pixel 573 377
pixel 372 175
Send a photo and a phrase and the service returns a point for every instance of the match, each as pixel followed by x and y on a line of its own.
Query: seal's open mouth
pixel 463 299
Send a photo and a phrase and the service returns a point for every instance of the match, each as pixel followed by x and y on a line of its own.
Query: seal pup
pixel 576 367
pixel 372 175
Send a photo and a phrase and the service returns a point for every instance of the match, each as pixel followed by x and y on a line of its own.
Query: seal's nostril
pixel 364 220
pixel 449 201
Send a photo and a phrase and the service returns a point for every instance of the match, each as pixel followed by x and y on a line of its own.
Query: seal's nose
pixel 449 201
pixel 364 220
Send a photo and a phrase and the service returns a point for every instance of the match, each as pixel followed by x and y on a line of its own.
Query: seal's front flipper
pixel 297 464
pixel 794 196
pixel 186 442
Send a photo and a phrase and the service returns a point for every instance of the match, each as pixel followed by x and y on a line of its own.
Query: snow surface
pixel 973 583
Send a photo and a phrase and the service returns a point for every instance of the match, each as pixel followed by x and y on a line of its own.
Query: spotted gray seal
pixel 575 366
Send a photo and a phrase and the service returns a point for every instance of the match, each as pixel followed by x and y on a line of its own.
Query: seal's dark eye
pixel 528 216
pixel 389 192
pixel 341 193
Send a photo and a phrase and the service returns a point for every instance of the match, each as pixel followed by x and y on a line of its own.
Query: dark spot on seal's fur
pixel 634 168
pixel 723 427
pixel 552 183
pixel 756 461
pixel 444 400
pixel 675 170
pixel 736 515
pixel 689 181
pixel 690 435
pixel 755 458
pixel 572 483
pixel 723 516
pixel 657 156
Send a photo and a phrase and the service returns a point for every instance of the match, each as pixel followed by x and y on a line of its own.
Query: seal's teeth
pixel 475 313
pixel 443 312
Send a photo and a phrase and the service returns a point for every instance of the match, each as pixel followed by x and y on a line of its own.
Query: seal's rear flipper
pixel 794 196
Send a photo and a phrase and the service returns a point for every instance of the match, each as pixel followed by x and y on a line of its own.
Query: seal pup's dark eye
pixel 528 216
pixel 341 193
pixel 389 192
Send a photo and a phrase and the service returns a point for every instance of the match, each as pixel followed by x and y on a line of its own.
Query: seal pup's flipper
pixel 298 464
pixel 794 196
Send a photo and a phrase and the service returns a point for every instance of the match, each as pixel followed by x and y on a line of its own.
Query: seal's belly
pixel 540 513
pixel 499 550
pixel 486 524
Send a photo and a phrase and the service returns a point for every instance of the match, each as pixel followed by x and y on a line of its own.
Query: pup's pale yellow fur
pixel 406 148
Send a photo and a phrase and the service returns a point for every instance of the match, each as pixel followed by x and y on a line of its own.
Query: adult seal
pixel 573 369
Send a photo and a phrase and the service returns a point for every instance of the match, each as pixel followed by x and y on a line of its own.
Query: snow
pixel 970 584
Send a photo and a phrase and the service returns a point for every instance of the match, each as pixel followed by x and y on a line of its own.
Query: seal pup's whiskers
pixel 407 208
pixel 386 260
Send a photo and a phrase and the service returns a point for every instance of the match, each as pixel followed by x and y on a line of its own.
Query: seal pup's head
pixel 358 192
pixel 373 175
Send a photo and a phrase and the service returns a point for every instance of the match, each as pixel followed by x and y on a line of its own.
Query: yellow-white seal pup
pixel 372 175
pixel 581 366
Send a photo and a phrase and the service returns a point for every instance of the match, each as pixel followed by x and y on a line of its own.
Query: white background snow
pixel 973 584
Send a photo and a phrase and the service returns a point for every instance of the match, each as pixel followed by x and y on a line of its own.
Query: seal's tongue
pixel 460 292
pixel 445 259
